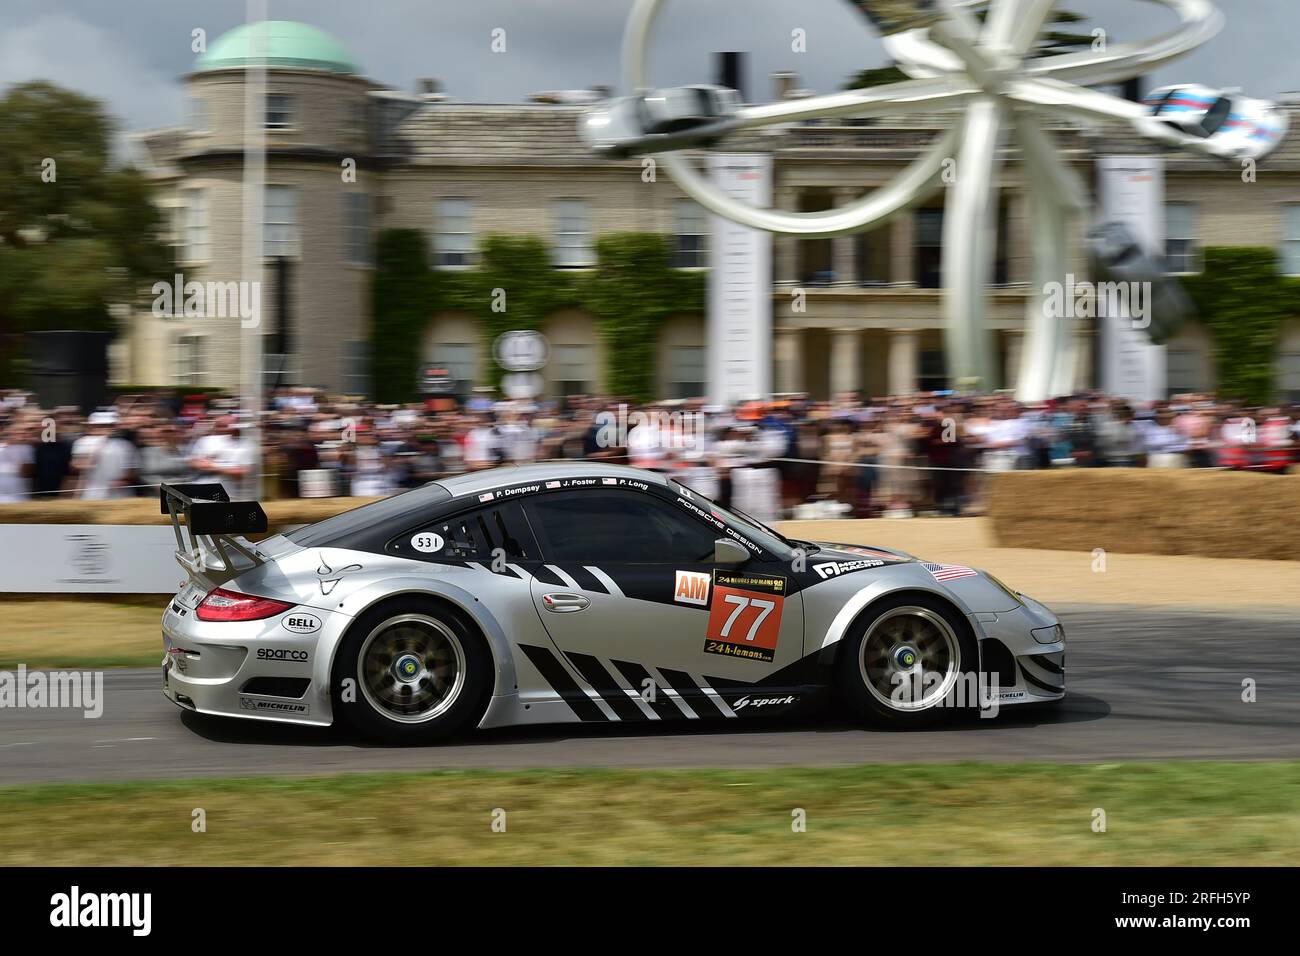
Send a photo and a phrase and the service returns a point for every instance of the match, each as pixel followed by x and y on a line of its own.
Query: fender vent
pixel 996 659
pixel 294 687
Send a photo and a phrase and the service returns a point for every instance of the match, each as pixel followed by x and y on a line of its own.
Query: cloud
pixel 131 54
pixel 72 53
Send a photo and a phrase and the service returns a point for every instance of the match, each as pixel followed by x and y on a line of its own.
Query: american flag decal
pixel 947 572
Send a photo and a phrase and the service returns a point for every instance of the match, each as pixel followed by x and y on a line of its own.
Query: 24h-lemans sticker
pixel 745 615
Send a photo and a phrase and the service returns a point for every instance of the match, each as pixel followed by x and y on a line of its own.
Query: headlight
pixel 1049 635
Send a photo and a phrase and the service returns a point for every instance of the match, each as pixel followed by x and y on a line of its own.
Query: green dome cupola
pixel 287 44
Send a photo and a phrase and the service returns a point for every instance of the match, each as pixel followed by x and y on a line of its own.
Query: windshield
pixel 769 539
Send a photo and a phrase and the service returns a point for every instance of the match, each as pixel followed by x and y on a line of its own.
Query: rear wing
pixel 211 522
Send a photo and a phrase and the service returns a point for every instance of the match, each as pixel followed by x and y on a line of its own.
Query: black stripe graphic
pixel 547 576
pixel 1046 663
pixel 636 675
pixel 1041 685
pixel 700 703
pixel 586 580
pixel 573 695
pixel 594 673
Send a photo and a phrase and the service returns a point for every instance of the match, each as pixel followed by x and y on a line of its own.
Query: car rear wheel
pixel 412 671
pixel 904 662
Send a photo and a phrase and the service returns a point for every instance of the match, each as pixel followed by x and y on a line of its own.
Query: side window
pixel 471 536
pixel 619 527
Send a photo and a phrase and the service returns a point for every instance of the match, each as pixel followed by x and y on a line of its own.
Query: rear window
pixel 337 531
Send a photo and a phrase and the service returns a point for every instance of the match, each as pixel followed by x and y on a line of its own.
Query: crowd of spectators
pixel 919 454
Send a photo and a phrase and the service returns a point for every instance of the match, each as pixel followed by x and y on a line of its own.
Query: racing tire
pixel 412 671
pixel 904 662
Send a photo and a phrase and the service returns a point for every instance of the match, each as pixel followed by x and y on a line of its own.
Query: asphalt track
pixel 1143 685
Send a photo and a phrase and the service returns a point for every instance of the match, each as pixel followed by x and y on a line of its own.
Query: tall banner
pixel 740 285
pixel 1132 192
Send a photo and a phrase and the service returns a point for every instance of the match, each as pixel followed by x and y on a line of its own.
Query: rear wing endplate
pixel 211 522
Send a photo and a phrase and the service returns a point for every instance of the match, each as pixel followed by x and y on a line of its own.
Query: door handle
pixel 562 602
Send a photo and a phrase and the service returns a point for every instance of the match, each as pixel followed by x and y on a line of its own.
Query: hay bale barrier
pixel 280 515
pixel 1216 514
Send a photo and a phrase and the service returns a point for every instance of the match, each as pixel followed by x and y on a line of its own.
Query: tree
pixel 1049 43
pixel 78 234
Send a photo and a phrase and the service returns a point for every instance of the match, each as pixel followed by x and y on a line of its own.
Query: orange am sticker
pixel 692 587
pixel 745 616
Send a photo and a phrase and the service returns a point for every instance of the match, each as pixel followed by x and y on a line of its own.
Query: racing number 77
pixel 741 603
pixel 745 615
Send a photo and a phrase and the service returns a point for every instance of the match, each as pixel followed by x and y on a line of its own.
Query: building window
pixel 280 231
pixel 187 367
pixel 453 235
pixel 461 360
pixel 360 250
pixel 279 111
pixel 354 118
pixel 687 371
pixel 194 232
pixel 356 375
pixel 1291 239
pixel 692 248
pixel 815 258
pixel 200 117
pixel 572 369
pixel 871 257
pixel 1181 254
pixel 1182 372
pixel 1289 376
pixel 572 235
pixel 928 254
pixel 933 372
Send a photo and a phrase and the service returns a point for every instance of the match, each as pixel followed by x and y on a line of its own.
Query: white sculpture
pixel 955 62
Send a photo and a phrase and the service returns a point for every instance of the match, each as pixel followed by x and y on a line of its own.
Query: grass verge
pixel 81 632
pixel 890 814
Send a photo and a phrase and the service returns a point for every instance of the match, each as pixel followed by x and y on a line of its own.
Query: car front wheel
pixel 904 662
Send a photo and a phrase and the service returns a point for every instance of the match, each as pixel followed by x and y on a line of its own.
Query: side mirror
pixel 726 551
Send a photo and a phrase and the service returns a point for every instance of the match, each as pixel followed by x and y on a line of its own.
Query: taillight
pixel 223 605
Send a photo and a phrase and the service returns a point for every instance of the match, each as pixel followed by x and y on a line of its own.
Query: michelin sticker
pixel 427 542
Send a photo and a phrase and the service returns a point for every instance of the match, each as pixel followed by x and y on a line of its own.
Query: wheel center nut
pixel 905 657
pixel 407 667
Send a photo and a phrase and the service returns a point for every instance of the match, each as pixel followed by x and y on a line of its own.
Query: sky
pixel 132 53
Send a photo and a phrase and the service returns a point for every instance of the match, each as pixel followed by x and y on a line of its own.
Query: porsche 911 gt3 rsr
pixel 575 592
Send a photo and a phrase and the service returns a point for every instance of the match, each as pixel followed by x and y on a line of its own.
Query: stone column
pixel 842 247
pixel 783 247
pixel 1015 340
pixel 788 352
pixel 904 353
pixel 902 237
pixel 846 361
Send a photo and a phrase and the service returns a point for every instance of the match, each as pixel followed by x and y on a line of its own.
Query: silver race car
pixel 568 592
